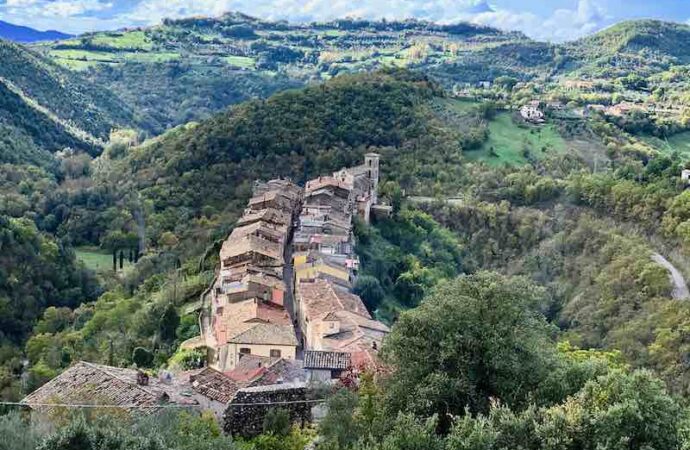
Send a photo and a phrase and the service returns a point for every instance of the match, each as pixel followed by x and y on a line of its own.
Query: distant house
pixel 115 388
pixel 532 112
pixel 685 176
pixel 325 366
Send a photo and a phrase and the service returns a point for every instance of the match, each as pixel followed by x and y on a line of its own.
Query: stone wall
pixel 244 415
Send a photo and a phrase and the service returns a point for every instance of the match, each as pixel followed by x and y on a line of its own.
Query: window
pixel 245 351
pixel 275 353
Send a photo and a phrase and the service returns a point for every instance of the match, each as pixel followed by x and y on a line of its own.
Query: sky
pixel 550 20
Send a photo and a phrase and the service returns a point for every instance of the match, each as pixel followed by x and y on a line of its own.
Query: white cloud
pixel 80 15
pixel 155 10
pixel 561 25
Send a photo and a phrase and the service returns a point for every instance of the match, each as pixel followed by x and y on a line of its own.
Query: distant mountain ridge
pixel 18 33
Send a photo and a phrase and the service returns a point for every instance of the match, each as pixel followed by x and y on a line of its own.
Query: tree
pixel 472 339
pixel 506 82
pixel 369 288
pixel 619 410
pixel 169 240
pixel 16 433
pixel 277 422
pixel 339 428
pixel 142 357
pixel 168 324
pixel 624 410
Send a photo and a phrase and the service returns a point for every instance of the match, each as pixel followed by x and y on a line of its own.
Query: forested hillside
pixel 518 268
pixel 46 108
pixel 187 69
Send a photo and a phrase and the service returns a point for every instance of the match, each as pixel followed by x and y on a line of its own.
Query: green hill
pixel 47 108
pixel 187 69
pixel 647 46
pixel 655 36
pixel 209 168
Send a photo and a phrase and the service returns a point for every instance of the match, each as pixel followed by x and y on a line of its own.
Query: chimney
pixel 142 378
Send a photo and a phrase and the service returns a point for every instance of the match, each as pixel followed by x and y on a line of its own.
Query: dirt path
pixel 680 287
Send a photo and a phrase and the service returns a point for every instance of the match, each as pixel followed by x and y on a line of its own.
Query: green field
pixel 98 260
pixel 129 40
pixel 80 59
pixel 240 61
pixel 677 143
pixel 510 144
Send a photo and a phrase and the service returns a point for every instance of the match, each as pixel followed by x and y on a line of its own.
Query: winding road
pixel 680 287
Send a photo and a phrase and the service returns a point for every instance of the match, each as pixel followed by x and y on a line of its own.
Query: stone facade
pixel 245 414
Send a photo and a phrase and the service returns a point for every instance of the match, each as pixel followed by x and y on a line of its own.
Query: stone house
pixel 335 320
pixel 119 390
pixel 532 112
pixel 324 366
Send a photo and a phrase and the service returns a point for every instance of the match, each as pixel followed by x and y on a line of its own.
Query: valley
pixel 447 236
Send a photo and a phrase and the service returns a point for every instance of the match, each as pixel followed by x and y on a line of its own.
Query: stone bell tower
pixel 371 162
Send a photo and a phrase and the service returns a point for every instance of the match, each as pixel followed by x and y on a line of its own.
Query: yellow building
pixel 312 270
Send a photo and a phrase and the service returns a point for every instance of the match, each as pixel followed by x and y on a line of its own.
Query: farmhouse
pixel 532 112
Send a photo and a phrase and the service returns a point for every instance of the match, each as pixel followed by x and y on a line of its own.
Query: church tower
pixel 371 162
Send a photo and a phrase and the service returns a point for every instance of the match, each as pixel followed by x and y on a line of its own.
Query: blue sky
pixel 555 20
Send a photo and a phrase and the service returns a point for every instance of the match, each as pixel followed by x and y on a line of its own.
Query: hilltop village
pixel 287 270
pixel 279 316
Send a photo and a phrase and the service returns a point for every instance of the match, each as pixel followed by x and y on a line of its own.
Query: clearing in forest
pixel 513 144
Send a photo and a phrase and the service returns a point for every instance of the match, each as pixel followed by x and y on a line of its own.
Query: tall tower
pixel 371 162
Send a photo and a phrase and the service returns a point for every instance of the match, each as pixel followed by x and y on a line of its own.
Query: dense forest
pixel 518 269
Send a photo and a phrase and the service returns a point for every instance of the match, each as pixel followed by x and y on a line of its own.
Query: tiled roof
pixel 321 182
pixel 239 317
pixel 249 368
pixel 267 215
pixel 267 334
pixel 98 384
pixel 232 247
pixel 276 199
pixel 258 228
pixel 252 370
pixel 214 385
pixel 282 371
pixel 320 297
pixel 326 360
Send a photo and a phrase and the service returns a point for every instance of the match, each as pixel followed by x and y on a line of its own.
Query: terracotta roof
pixel 239 272
pixel 285 186
pixel 259 228
pixel 252 370
pixel 214 385
pixel 267 334
pixel 239 317
pixel 247 244
pixel 276 199
pixel 104 385
pixel 320 297
pixel 281 371
pixel 240 285
pixel 321 182
pixel 267 215
pixel 326 360
pixel 249 368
